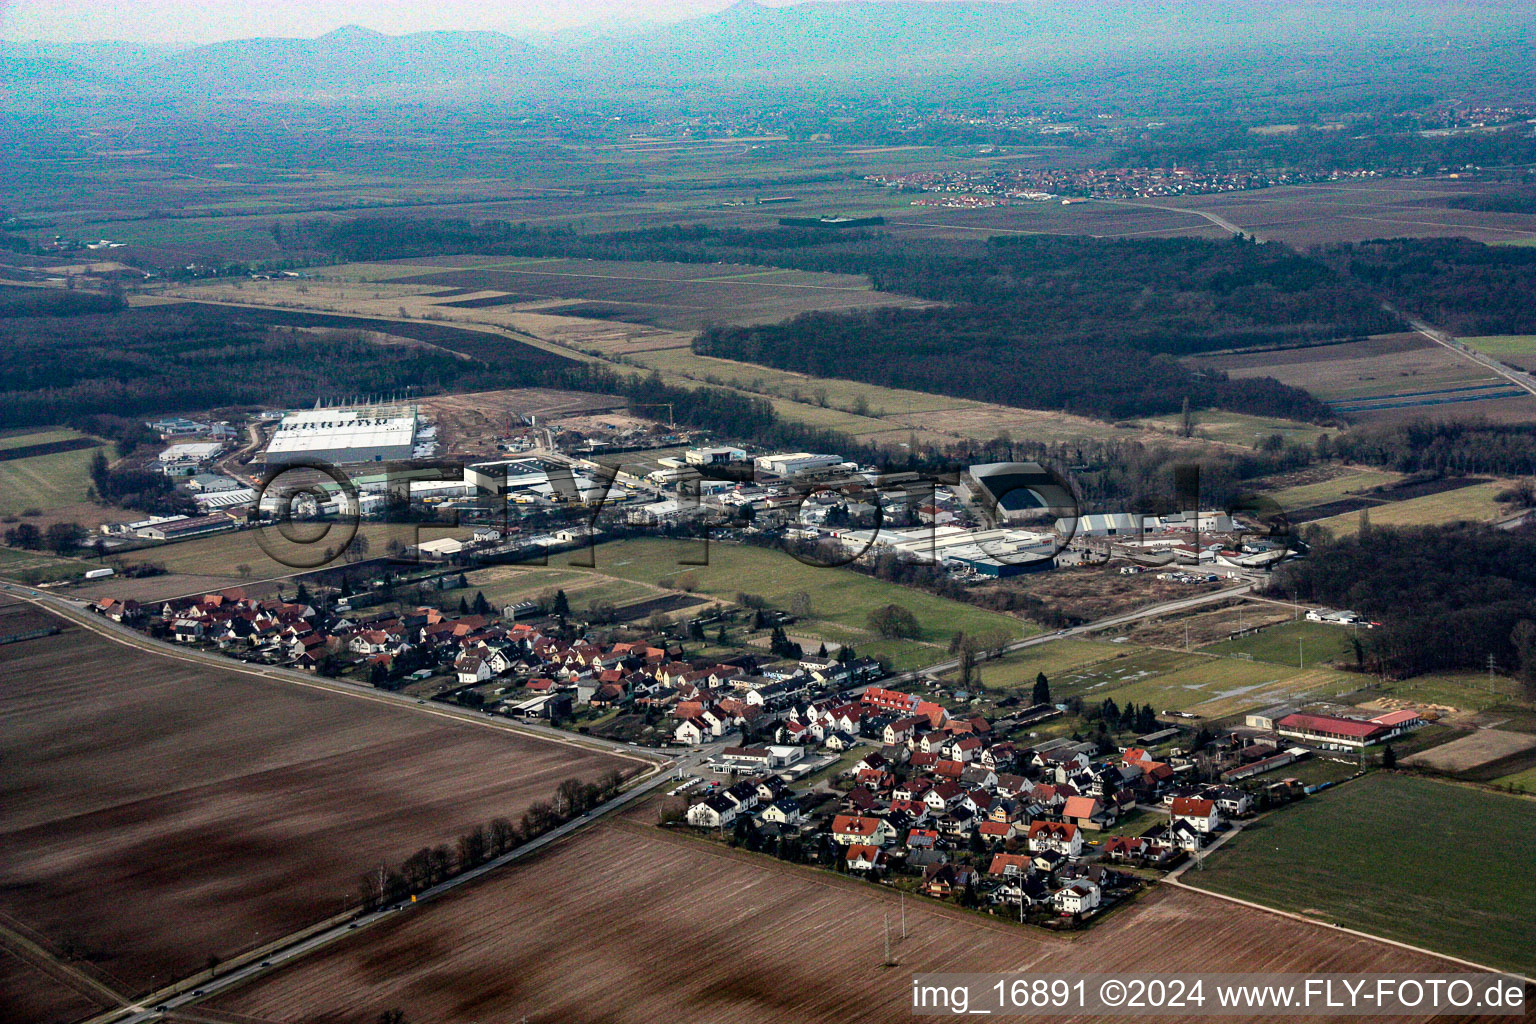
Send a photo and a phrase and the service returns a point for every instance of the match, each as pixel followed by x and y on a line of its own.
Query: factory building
pixel 344 436
pixel 1011 492
pixel 714 456
pixel 797 465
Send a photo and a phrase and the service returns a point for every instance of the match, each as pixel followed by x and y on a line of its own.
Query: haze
pixel 174 21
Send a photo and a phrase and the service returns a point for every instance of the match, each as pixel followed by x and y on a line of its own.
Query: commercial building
pixel 498 479
pixel 344 436
pixel 182 527
pixel 713 456
pixel 188 459
pixel 798 465
pixel 995 552
pixel 1334 733
pixel 1015 491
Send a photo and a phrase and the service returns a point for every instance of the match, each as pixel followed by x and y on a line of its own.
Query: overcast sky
pixel 198 21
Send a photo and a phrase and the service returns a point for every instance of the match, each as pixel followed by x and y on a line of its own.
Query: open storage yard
pixel 714 935
pixel 1434 864
pixel 208 811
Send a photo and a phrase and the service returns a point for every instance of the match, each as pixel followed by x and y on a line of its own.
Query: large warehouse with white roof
pixel 344 436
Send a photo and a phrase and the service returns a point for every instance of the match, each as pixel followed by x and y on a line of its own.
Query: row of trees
pixel 432 865
pixel 60 538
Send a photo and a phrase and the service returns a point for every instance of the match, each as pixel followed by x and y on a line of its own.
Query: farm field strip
pixel 488 952
pixel 44 481
pixel 1346 484
pixel 1397 856
pixel 252 808
pixel 1477 502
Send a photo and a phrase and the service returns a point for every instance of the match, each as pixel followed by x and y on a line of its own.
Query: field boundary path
pixel 23 947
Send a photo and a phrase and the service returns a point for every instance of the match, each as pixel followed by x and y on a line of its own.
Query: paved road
pixel 1219 221
pixel 1519 378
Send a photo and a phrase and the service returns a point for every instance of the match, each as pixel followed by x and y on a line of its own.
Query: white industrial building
pixel 189 458
pixel 344 436
pixel 790 465
pixel 713 456
pixel 1130 524
pixel 948 543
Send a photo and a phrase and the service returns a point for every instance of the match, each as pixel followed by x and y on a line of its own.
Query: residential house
pixel 1079 896
pixel 1199 813
pixel 848 829
pixel 1057 836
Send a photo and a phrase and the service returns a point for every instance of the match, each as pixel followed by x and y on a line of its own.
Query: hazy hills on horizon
pixel 750 44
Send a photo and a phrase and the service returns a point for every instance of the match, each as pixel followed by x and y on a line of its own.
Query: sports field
pixel 1297 644
pixel 1433 864
pixel 1196 682
pixel 1017 671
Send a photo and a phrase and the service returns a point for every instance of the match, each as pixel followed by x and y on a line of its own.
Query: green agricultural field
pixel 35 567
pixel 1237 428
pixel 22 438
pixel 838 597
pixel 1524 781
pixel 1503 344
pixel 1347 483
pixel 1476 503
pixel 1398 856
pixel 233 553
pixel 1297 644
pixel 44 482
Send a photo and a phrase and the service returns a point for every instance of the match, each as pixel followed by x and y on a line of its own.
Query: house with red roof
pixel 863 857
pixel 848 829
pixel 1005 864
pixel 1058 836
pixel 1197 812
pixel 1087 812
